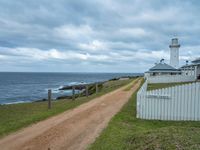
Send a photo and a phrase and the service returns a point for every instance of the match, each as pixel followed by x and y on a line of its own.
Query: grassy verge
pixel 164 85
pixel 130 85
pixel 127 132
pixel 16 116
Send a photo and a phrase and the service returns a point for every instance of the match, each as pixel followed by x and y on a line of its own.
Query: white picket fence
pixel 174 103
pixel 171 78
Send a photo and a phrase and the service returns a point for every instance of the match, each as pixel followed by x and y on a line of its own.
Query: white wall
pixel 171 78
pixel 174 103
pixel 198 71
pixel 174 57
pixel 146 75
pixel 188 72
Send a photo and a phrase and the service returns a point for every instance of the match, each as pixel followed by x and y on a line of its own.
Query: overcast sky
pixel 95 35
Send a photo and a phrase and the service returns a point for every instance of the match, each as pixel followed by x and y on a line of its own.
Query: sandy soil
pixel 72 130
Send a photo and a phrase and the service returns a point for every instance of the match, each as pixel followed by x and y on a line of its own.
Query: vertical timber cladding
pixel 180 102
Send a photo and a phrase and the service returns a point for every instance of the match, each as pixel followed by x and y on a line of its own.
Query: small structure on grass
pixel 163 69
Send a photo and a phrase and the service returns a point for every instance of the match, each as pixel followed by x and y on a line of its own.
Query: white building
pixel 163 69
pixel 192 69
pixel 180 102
pixel 164 73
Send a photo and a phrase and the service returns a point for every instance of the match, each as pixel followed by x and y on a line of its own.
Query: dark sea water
pixel 27 87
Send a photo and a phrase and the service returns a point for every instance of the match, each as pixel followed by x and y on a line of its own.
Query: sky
pixel 95 35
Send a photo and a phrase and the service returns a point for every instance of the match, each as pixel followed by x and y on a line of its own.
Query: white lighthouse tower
pixel 174 53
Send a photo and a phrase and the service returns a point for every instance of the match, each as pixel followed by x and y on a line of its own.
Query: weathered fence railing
pixel 73 88
pixel 180 102
pixel 49 99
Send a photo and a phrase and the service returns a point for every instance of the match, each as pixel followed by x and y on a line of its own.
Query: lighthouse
pixel 174 53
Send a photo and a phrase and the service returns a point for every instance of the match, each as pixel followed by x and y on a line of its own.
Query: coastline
pixel 16 116
pixel 67 93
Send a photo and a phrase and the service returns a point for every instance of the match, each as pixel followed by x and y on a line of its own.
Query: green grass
pixel 126 132
pixel 155 86
pixel 130 85
pixel 16 116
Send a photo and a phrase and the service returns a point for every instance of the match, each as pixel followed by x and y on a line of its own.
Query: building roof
pixel 188 66
pixel 163 67
pixel 196 60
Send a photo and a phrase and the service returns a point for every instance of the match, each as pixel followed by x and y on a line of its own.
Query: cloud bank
pixel 94 35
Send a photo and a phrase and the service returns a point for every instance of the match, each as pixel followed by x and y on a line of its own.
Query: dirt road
pixel 72 130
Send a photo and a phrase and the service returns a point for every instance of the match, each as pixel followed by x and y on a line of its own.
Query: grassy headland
pixel 16 116
pixel 125 131
pixel 155 86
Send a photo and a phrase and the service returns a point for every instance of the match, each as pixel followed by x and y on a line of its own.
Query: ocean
pixel 28 87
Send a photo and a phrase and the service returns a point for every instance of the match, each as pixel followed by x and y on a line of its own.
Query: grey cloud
pixel 124 28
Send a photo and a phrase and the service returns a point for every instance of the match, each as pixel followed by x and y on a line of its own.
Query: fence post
pixel 73 92
pixel 97 90
pixel 86 90
pixel 49 99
